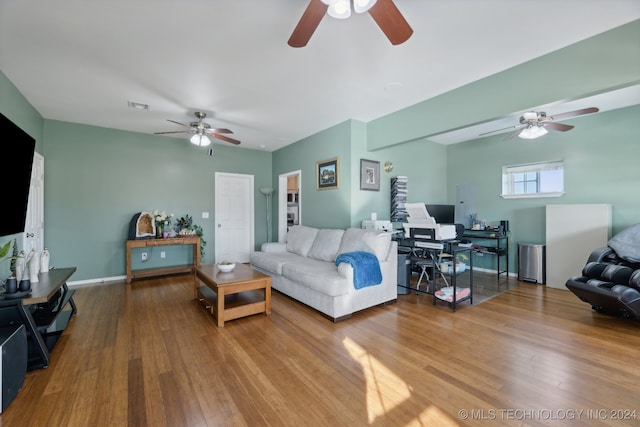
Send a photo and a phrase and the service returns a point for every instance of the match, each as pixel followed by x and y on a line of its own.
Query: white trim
pixel 532 195
pixel 102 281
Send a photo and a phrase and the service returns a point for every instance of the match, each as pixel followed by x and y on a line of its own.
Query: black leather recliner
pixel 610 280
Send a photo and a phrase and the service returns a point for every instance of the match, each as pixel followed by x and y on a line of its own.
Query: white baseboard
pixel 100 281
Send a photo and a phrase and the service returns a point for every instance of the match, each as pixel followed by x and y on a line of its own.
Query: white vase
pixel 44 261
pixel 20 266
pixel 34 266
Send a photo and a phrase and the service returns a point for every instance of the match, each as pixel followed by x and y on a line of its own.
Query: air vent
pixel 138 105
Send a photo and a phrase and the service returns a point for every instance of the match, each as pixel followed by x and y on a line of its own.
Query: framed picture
pixel 327 174
pixel 369 175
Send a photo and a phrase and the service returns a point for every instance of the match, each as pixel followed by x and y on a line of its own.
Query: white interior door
pixel 33 237
pixel 234 217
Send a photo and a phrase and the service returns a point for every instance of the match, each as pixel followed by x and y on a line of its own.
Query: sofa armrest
pixel 273 247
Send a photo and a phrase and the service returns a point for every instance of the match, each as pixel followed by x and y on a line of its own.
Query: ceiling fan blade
pixel 563 116
pixel 514 134
pixel 558 126
pixel 225 138
pixel 391 21
pixel 165 133
pixel 310 20
pixel 178 123
pixel 218 130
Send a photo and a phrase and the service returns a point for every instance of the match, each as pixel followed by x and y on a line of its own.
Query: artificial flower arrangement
pixel 162 218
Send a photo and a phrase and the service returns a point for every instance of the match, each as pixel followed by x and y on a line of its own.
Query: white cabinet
pixel 572 232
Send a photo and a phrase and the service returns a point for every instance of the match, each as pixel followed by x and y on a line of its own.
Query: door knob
pixel 30 234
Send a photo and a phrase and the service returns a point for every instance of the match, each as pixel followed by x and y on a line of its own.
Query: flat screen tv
pixel 17 148
pixel 443 214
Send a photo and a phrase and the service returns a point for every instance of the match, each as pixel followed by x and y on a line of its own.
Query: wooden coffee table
pixel 239 293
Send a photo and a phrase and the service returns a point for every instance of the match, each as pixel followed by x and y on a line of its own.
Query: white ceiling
pixel 81 61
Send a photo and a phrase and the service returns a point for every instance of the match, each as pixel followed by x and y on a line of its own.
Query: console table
pixel 45 312
pixel 496 244
pixel 161 271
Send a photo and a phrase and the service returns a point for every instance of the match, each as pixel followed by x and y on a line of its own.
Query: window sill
pixel 532 196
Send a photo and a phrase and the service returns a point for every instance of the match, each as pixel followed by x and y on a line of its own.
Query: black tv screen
pixel 18 148
pixel 443 214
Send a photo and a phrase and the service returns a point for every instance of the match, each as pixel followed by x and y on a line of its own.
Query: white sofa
pixel 304 268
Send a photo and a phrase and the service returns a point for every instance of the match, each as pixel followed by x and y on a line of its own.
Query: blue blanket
pixel 366 269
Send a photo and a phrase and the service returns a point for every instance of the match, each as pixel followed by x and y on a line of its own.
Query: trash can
pixel 404 273
pixel 532 263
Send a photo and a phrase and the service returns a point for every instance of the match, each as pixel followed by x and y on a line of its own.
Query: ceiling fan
pixel 201 131
pixel 534 124
pixel 384 12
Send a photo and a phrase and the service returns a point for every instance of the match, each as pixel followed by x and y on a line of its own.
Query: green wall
pixel 601 166
pixel 325 208
pixel 96 179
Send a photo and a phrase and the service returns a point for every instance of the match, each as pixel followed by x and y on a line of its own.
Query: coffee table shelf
pixel 227 296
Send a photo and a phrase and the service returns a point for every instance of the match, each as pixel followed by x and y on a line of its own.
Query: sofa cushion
pixel 320 276
pixel 357 239
pixel 326 244
pixel 300 238
pixel 271 261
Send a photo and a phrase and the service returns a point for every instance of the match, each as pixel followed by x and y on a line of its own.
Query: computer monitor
pixel 443 214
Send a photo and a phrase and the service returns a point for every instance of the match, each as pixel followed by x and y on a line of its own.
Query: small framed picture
pixel 369 175
pixel 328 174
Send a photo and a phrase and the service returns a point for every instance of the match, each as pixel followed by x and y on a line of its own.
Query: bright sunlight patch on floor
pixel 386 390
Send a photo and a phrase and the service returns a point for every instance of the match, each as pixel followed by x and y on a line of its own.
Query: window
pixel 545 179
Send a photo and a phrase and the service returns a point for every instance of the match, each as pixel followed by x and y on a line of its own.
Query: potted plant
pixel 186 227
pixel 4 250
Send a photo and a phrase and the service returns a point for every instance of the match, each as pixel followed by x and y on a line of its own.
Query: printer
pixel 418 217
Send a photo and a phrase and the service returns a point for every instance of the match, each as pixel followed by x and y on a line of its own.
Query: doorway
pixel 289 202
pixel 234 217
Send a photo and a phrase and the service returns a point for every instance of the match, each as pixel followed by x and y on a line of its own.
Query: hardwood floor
pixel 147 354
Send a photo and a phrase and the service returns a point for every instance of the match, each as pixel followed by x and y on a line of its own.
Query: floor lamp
pixel 267 192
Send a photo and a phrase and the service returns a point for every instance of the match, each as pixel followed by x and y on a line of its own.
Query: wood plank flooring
pixel 147 354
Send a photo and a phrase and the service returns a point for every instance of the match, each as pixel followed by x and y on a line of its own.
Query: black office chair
pixel 427 255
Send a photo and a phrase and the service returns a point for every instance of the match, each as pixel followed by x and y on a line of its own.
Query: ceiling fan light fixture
pixel 362 6
pixel 533 132
pixel 200 139
pixel 341 9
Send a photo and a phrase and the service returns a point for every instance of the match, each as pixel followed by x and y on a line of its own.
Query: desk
pixel 160 271
pixel 452 250
pixel 45 313
pixel 497 244
pixel 455 250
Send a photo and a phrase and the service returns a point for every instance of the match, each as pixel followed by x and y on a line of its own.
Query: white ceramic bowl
pixel 225 268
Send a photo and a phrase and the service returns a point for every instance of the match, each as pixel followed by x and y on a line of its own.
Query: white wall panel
pixel 572 232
